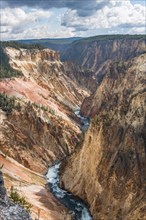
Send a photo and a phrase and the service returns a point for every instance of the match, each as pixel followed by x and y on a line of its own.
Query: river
pixel 78 208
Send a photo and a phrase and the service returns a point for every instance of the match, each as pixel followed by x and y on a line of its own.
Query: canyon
pixel 104 164
pixel 45 129
pixel 40 127
pixel 97 53
pixel 109 171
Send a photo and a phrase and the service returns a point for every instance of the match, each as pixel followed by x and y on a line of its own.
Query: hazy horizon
pixel 69 18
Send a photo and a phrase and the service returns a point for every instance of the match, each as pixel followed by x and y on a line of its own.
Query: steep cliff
pixel 43 128
pixel 109 171
pixel 95 53
pixel 9 210
pixel 45 70
pixel 81 75
pixel 36 138
pixel 31 186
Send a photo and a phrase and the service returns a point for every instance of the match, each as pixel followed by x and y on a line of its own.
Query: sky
pixel 35 19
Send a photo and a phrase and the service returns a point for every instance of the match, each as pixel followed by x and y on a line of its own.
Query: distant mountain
pixel 57 44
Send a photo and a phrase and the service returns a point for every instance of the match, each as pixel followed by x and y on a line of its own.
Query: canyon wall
pixel 81 75
pixel 8 209
pixel 96 53
pixel 109 170
pixel 38 125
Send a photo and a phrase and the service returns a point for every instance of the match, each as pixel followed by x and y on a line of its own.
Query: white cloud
pixel 112 16
pixel 16 16
pixel 83 8
pixel 40 32
pixel 16 21
pixel 115 14
pixel 137 30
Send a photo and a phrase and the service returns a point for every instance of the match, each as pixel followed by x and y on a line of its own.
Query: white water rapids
pixel 73 203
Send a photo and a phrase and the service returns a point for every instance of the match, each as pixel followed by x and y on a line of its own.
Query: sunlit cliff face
pixel 45 129
pixel 109 171
pixel 44 68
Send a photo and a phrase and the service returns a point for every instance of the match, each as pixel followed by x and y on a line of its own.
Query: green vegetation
pixel 58 44
pixel 103 117
pixel 18 45
pixel 111 37
pixel 1 166
pixel 48 41
pixel 16 198
pixel 96 119
pixel 6 70
pixel 44 108
pixel 7 104
pixel 106 119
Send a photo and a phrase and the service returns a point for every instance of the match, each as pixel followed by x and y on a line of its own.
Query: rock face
pixel 9 210
pixel 109 171
pixel 43 69
pixel 44 129
pixel 95 53
pixel 36 138
pixel 33 54
pixel 3 195
pixel 82 76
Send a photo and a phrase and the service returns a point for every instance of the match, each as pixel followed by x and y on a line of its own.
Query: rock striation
pixel 81 75
pixel 109 171
pixel 36 138
pixel 95 53
pixel 44 129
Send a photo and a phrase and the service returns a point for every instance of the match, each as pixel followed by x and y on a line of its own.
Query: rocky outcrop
pixel 95 53
pixel 9 210
pixel 82 76
pixel 42 68
pixel 45 127
pixel 37 138
pixel 3 195
pixel 109 171
pixel 33 54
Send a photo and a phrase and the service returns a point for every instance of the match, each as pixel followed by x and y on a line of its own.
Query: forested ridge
pixel 6 70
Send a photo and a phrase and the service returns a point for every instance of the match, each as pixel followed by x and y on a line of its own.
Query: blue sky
pixel 138 2
pixel 27 19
